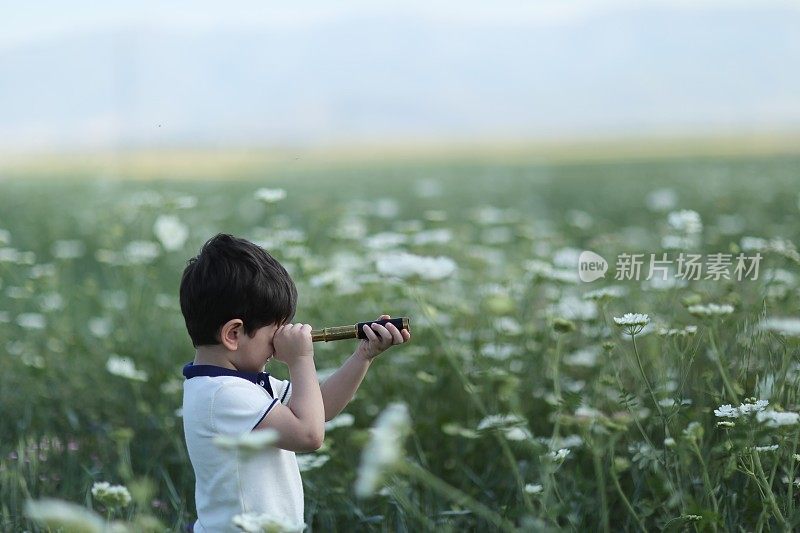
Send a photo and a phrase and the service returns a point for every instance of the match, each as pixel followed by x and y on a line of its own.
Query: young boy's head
pixel 234 280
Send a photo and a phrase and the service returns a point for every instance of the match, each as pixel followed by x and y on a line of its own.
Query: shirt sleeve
pixel 238 408
pixel 281 388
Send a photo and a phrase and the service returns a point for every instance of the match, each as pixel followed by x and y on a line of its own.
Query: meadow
pixel 528 407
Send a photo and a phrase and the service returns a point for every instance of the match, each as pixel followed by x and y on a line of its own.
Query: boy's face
pixel 253 353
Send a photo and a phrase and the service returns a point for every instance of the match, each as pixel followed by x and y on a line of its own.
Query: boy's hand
pixel 380 338
pixel 292 341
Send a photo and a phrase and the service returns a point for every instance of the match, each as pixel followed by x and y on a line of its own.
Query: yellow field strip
pixel 243 163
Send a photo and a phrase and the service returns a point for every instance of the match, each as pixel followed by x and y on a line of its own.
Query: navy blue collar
pixel 191 370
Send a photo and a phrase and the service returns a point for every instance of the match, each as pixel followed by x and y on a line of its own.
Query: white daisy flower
pixel 749 407
pixel 532 488
pixel 51 301
pixel 264 523
pixel 384 449
pixel 573 308
pixel 726 411
pixel 140 252
pixel 693 431
pixel 674 332
pixel 386 208
pixel 496 421
pixel 661 199
pixel 145 198
pixel 570 441
pixel 250 442
pixel 501 352
pixel 68 249
pixel 587 412
pixel 385 240
pixel 584 357
pixel 508 325
pixel 753 244
pixel 778 418
pixel 31 321
pixel 786 326
pixel 341 420
pixel 517 433
pixel 433 236
pixel 753 407
pixel 559 456
pixel 8 255
pixel 632 323
pixel 771 448
pixel 171 232
pixel 686 220
pixel 185 202
pixel 309 461
pixel 710 310
pixel 405 265
pixel 270 196
pixel 796 481
pixel 100 326
pixel 427 188
pixel 124 367
pixel 606 293
pixel 55 513
pixel 111 495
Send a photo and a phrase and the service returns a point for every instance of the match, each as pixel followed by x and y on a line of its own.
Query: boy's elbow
pixel 315 440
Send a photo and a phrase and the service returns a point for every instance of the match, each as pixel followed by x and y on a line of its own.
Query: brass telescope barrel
pixel 354 331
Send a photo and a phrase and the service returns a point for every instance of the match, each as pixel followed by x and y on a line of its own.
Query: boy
pixel 237 301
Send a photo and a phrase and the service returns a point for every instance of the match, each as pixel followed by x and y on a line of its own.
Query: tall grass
pixel 529 408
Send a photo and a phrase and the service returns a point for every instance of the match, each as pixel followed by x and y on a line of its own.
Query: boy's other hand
pixel 380 338
pixel 292 341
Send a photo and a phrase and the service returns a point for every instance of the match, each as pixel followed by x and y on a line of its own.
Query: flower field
pixel 526 400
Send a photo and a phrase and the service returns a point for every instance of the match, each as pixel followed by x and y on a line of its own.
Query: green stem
pixel 601 487
pixel 647 382
pixel 658 407
pixel 706 479
pixel 768 489
pixel 722 372
pixel 411 508
pixel 450 492
pixel 635 418
pixel 790 490
pixel 557 390
pixel 625 501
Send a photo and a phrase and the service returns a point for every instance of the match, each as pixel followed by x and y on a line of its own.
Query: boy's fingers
pixel 397 338
pixel 369 333
pixel 383 332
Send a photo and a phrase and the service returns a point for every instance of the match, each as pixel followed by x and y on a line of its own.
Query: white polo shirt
pixel 219 401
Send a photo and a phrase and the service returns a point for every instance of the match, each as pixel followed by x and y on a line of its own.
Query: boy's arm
pixel 300 423
pixel 339 388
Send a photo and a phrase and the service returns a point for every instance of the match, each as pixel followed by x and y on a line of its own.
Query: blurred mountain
pixel 376 78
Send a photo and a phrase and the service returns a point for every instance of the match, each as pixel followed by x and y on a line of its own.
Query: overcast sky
pixel 100 74
pixel 23 22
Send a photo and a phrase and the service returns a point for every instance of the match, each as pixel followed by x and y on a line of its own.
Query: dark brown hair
pixel 234 278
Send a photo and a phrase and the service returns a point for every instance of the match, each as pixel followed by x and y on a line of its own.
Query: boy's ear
pixel 230 333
